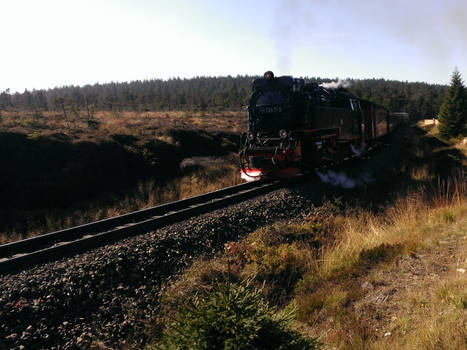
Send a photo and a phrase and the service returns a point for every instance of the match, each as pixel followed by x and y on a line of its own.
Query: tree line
pixel 420 100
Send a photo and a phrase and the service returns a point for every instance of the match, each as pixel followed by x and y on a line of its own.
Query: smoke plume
pixel 291 19
pixel 343 180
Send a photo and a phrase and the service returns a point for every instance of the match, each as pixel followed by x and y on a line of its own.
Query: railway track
pixel 25 253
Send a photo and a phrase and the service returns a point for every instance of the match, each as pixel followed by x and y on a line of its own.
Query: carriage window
pixel 355 105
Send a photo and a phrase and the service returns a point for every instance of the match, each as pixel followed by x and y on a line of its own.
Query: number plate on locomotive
pixel 270 109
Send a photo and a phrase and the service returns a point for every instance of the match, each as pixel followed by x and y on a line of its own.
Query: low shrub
pixel 234 316
pixel 279 255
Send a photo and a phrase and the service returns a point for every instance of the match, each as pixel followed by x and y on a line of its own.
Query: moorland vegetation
pixel 60 171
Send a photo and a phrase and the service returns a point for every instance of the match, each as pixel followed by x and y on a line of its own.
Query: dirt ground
pixel 389 289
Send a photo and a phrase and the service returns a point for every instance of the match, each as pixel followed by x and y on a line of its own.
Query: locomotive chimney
pixel 269 75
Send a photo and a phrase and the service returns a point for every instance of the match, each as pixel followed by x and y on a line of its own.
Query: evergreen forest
pixel 420 100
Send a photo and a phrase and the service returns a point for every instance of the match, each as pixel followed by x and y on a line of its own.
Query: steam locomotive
pixel 295 127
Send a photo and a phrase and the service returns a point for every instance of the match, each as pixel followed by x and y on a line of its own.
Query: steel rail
pixel 24 253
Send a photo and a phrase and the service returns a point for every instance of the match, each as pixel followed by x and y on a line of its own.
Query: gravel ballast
pixel 104 297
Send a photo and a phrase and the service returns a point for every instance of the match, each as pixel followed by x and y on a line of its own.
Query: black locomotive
pixel 296 126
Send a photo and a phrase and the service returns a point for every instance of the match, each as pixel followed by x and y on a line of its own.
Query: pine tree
pixel 453 112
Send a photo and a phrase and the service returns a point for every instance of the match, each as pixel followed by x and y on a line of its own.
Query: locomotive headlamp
pixel 283 134
pixel 268 75
pixel 251 136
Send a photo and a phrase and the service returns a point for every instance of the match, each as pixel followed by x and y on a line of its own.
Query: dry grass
pixel 434 317
pixel 411 220
pixel 145 194
pixel 459 143
pixel 142 125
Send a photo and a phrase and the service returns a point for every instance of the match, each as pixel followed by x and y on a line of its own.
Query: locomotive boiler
pixel 295 127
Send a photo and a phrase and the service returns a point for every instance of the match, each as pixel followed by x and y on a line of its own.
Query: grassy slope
pixel 391 280
pixel 363 278
pixel 60 172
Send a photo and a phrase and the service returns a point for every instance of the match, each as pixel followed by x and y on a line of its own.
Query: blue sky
pixel 52 43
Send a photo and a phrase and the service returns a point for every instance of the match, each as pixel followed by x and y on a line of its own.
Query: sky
pixel 50 43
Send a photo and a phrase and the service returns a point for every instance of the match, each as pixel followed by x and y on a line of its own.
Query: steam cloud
pixel 341 179
pixel 336 84
pixel 355 150
pixel 432 27
pixel 438 30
